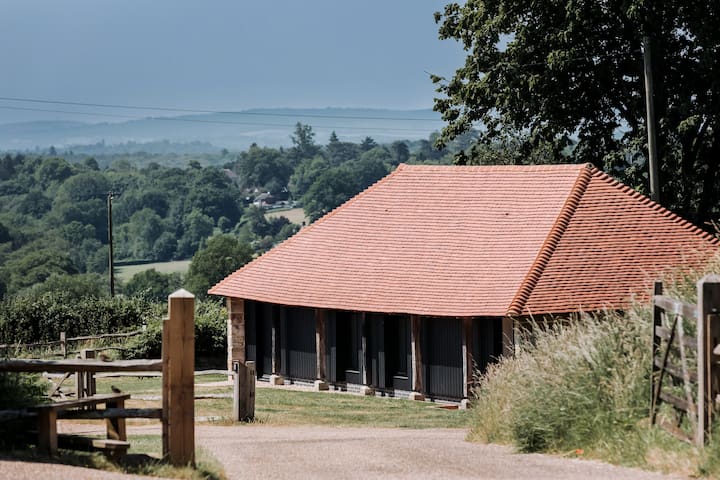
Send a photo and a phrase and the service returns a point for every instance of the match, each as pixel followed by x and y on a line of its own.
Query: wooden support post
pixel 85 381
pixel 179 368
pixel 467 356
pixel 708 292
pixel 657 322
pixel 275 342
pixel 508 336
pixel 47 431
pixel 416 358
pixel 320 342
pixel 63 344
pixel 244 391
pixel 276 377
pixel 236 331
pixel 116 429
pixel 365 389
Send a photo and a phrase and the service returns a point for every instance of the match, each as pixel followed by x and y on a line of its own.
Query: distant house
pixel 416 281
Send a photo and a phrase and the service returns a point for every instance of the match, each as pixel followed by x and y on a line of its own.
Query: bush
pixel 210 334
pixel 20 390
pixel 574 385
pixel 41 318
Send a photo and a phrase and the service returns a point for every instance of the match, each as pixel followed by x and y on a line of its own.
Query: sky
pixel 224 55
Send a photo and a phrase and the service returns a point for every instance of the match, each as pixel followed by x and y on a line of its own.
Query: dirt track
pixel 268 452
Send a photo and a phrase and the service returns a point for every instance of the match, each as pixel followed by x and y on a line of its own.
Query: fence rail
pixel 63 342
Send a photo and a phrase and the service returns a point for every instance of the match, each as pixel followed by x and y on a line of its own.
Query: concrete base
pixel 464 404
pixel 277 380
pixel 367 390
pixel 320 385
pixel 416 396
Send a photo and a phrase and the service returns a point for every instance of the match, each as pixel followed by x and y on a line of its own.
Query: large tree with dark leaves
pixel 565 78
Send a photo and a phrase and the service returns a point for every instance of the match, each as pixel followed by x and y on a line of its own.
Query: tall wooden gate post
pixel 178 379
pixel 708 335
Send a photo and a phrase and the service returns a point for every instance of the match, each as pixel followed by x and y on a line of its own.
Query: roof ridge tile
pixel 554 235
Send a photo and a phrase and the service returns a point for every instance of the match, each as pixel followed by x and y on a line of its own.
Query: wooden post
pixel 708 292
pixel 244 391
pixel 508 330
pixel 63 344
pixel 321 367
pixel 657 322
pixel 416 354
pixel 47 431
pixel 275 342
pixel 85 381
pixel 251 379
pixel 116 429
pixel 467 356
pixel 365 389
pixel 179 367
pixel 236 331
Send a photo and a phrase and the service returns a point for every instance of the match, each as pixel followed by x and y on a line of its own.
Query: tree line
pixel 54 210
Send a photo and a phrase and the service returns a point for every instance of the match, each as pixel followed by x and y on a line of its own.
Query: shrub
pixel 210 334
pixel 20 390
pixel 41 318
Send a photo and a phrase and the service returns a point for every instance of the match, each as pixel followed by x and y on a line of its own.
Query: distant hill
pixel 232 130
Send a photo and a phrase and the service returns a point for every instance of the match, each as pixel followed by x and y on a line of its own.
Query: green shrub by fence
pixel 42 318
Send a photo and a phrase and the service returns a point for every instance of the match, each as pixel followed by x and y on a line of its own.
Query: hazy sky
pixel 221 54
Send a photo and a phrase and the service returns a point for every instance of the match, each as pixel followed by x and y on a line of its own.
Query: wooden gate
pixel 685 351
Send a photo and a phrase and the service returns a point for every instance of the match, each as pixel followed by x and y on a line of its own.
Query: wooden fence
pixel 63 343
pixel 685 368
pixel 177 367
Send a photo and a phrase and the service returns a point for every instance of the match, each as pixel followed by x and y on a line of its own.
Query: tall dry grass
pixel 583 387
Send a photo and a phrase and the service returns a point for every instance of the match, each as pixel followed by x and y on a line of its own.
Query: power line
pixel 198 111
pixel 197 120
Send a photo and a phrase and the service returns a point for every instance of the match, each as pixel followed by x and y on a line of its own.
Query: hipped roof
pixel 478 241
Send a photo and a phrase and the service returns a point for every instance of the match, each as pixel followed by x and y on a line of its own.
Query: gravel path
pixel 331 453
pixel 270 452
pixel 16 470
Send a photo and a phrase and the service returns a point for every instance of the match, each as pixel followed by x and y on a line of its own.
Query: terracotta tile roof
pixel 475 241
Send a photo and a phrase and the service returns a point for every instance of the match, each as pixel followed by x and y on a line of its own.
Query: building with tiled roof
pixel 412 282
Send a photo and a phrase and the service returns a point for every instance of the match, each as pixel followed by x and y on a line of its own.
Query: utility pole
pixel 650 123
pixel 110 244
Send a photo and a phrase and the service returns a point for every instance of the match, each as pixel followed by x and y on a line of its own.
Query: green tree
pixel 340 152
pixel 567 78
pixel 197 227
pixel 304 142
pixel 401 152
pixel 222 255
pixel 152 285
pixel 332 188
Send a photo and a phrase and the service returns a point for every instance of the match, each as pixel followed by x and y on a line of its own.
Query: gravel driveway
pixel 269 452
pixel 332 453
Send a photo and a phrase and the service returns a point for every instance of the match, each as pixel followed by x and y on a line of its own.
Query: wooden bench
pixel 48 414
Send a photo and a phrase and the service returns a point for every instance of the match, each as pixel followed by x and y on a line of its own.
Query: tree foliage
pixel 566 79
pixel 222 255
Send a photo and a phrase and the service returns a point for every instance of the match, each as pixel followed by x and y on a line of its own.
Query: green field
pixel 126 272
pixel 295 215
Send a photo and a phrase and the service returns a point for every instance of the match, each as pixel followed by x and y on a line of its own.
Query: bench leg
pixel 47 431
pixel 116 426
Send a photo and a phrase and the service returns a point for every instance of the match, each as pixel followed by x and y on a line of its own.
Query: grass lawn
pixel 295 215
pixel 277 406
pixel 126 272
